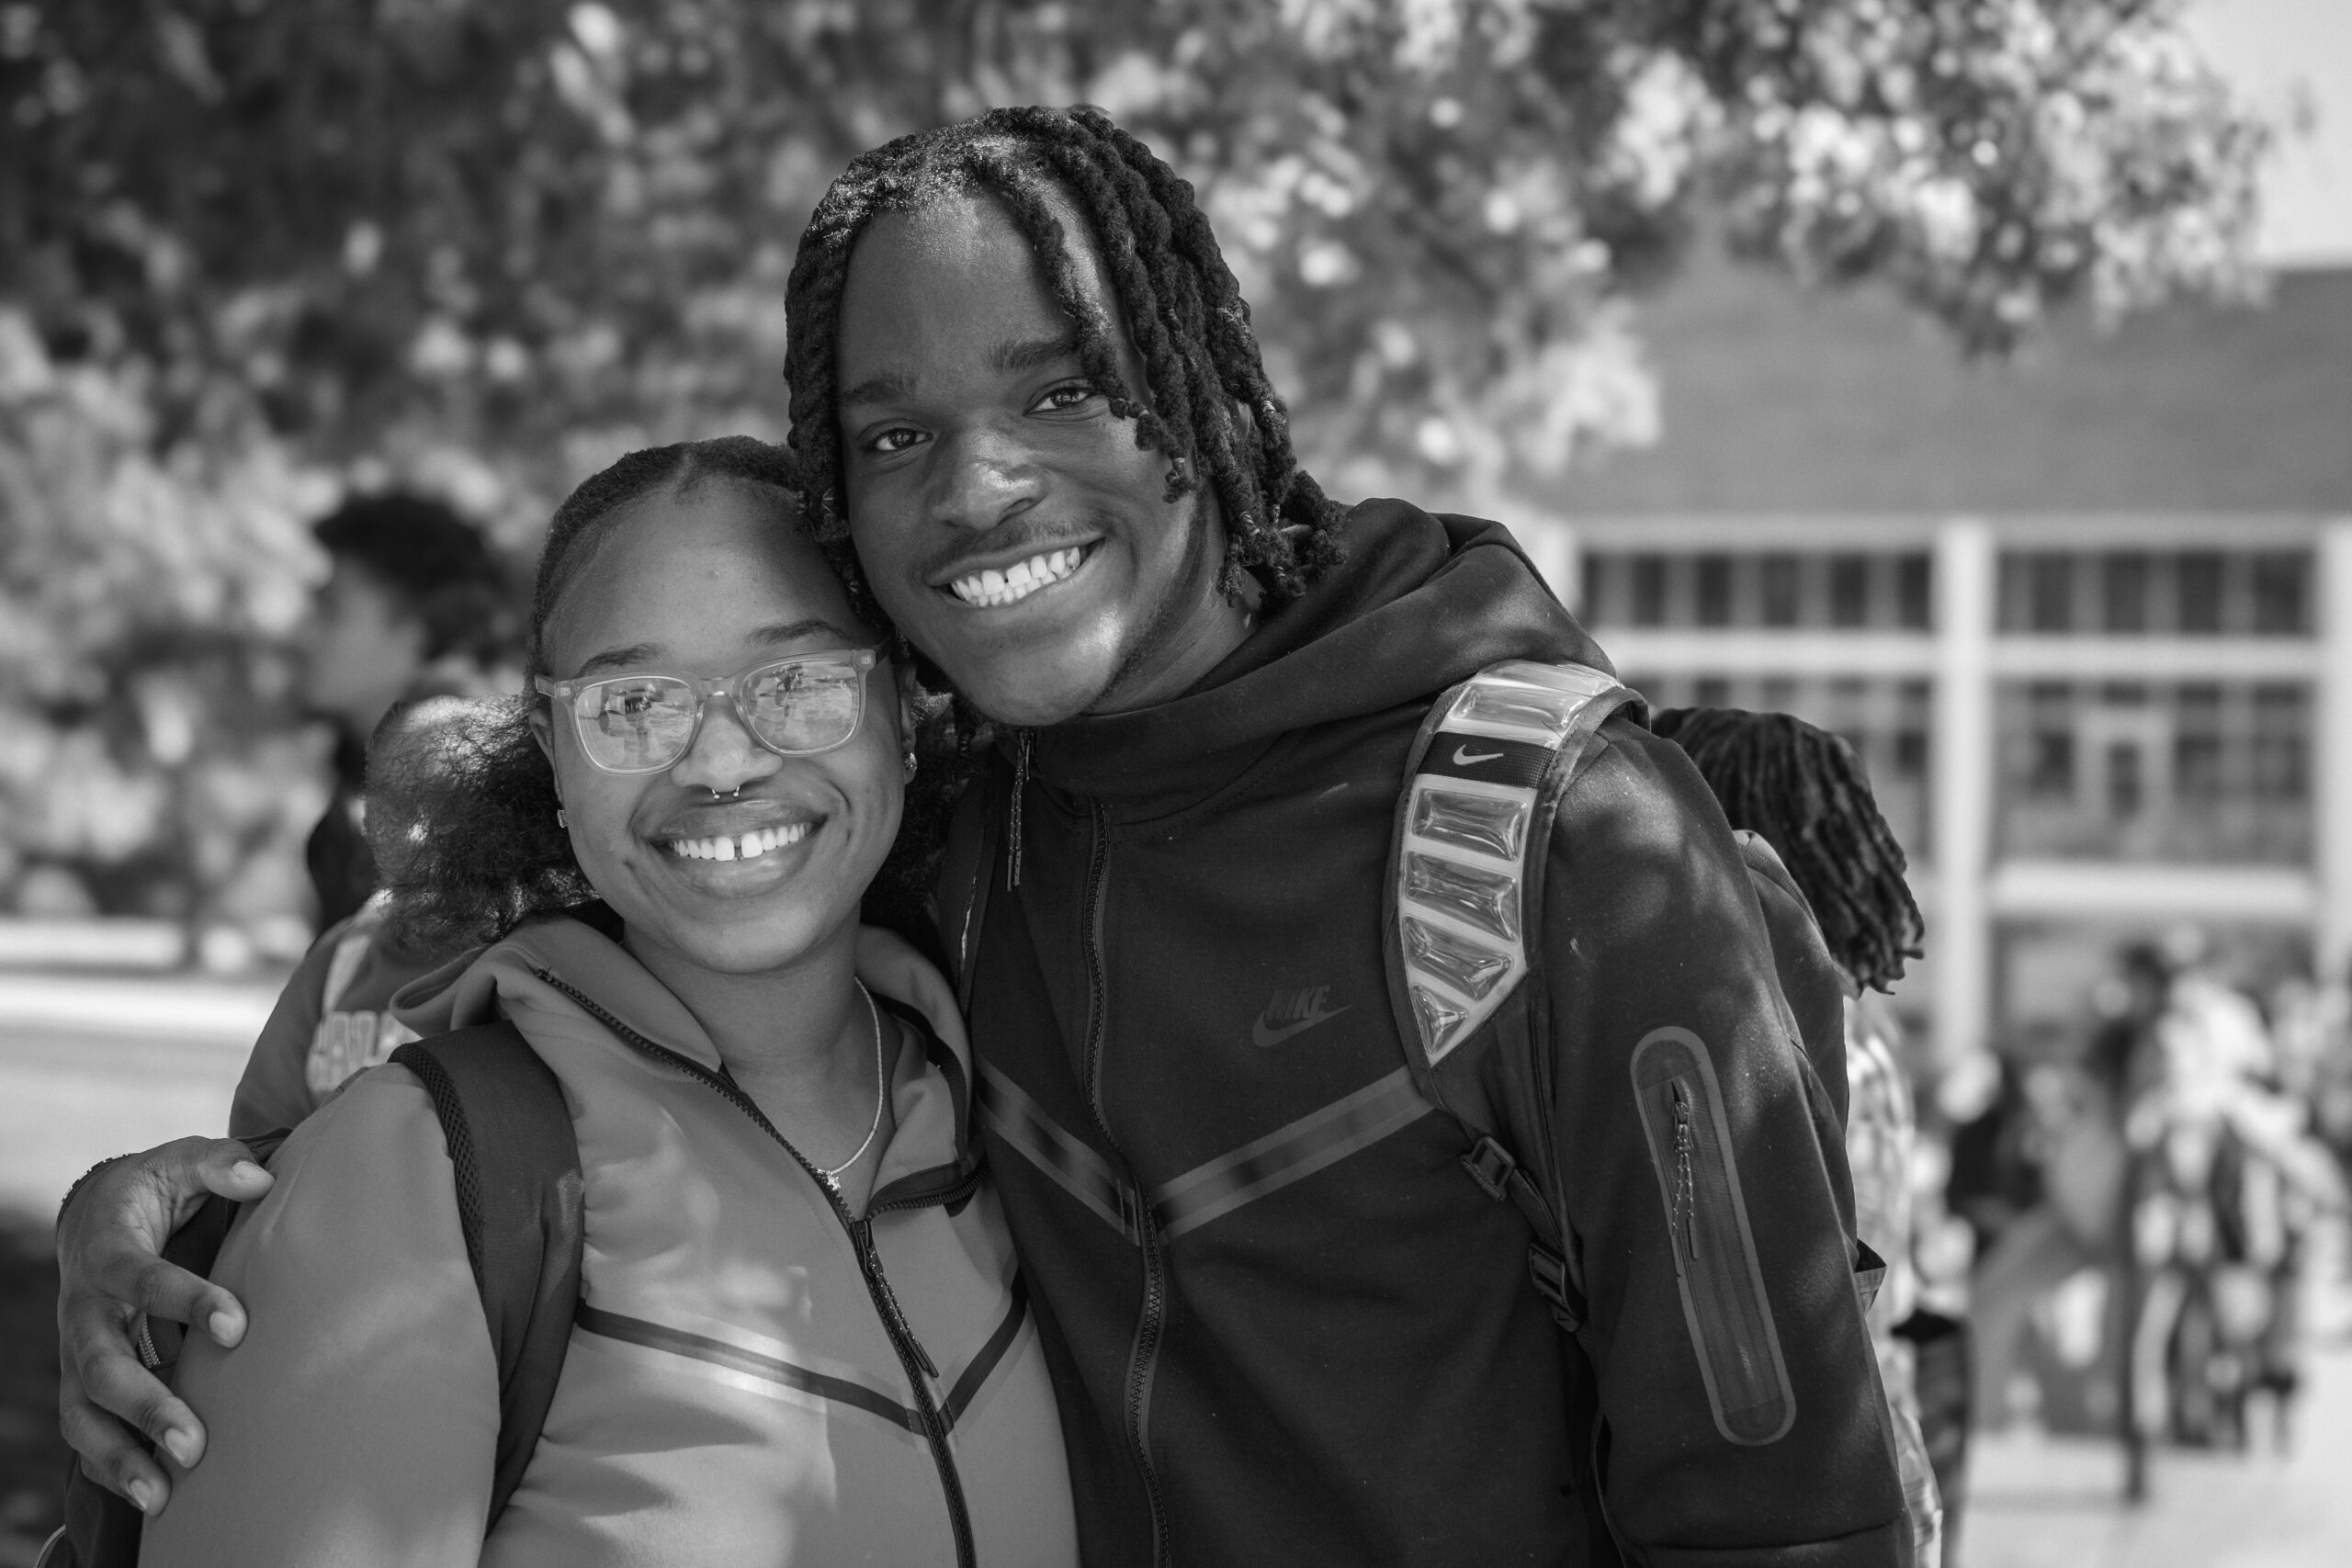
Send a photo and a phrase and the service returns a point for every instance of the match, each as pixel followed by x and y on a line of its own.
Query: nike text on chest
pixel 1294 1012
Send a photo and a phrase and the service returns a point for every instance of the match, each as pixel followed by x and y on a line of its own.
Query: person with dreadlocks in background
pixel 1803 792
pixel 1285 1323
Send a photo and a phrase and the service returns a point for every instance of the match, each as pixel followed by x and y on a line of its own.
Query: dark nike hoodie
pixel 1287 1326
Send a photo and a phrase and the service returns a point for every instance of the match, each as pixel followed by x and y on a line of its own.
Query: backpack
pixel 517 1173
pixel 1467 858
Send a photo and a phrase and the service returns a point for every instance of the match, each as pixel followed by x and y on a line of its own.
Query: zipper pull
pixel 1686 1184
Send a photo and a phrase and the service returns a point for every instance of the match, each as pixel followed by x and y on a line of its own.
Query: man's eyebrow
pixel 887 387
pixel 1032 354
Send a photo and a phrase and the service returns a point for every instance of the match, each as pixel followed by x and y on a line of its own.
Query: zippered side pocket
pixel 1715 1251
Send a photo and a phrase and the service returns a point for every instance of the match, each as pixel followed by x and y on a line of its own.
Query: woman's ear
pixel 913 702
pixel 543 732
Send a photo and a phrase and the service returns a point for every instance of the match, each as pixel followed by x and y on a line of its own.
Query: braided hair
pixel 462 800
pixel 1803 790
pixel 1206 404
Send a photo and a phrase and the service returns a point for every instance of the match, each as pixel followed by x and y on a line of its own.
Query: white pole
pixel 2332 747
pixel 1960 932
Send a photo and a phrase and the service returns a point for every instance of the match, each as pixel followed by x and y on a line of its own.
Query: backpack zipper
pixel 913 1360
pixel 1143 1357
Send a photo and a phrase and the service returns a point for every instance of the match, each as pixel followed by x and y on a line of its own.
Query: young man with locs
pixel 1285 1325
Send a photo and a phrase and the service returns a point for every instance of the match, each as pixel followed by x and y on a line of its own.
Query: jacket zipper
pixel 1708 1236
pixel 913 1360
pixel 1144 1356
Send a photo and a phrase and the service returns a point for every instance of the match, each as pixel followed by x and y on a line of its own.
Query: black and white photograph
pixel 1175 783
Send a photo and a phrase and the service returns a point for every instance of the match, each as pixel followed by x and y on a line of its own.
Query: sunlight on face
pixel 707 583
pixel 1005 518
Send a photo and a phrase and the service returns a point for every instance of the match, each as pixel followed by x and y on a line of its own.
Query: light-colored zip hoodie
pixel 754 1376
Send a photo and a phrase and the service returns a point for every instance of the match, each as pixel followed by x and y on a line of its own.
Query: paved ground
pixel 2042 1503
pixel 89 1068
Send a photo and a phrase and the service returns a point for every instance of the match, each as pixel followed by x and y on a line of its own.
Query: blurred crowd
pixel 2126 1220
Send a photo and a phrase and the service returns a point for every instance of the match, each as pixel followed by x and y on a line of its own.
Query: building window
pixel 2173 593
pixel 2201 593
pixel 1849 591
pixel 2125 591
pixel 2279 604
pixel 2202 772
pixel 2282 744
pixel 1783 591
pixel 1649 591
pixel 1911 590
pixel 1715 591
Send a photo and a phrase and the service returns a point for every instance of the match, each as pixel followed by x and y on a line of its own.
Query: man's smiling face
pixel 1005 518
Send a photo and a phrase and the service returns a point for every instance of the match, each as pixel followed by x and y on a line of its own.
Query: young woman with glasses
pixel 666 850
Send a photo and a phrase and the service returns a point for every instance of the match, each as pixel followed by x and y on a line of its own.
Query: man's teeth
pixel 991 587
pixel 751 846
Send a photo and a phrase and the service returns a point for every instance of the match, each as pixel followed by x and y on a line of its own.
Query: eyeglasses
pixel 800 707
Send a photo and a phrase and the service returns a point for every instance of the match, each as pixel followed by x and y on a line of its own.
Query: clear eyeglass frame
pixel 588 700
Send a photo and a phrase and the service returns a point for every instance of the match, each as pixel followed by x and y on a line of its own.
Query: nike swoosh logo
pixel 1265 1035
pixel 1464 757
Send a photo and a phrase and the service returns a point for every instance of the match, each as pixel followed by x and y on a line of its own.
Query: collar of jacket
pixel 1420 602
pixel 566 979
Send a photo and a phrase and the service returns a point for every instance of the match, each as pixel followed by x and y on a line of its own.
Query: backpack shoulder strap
pixel 1481 784
pixel 518 1162
pixel 1474 828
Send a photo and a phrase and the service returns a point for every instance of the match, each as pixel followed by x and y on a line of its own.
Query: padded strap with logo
pixel 1474 821
pixel 1465 832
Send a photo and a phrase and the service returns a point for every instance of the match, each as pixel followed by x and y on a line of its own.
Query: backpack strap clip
pixel 1549 1270
pixel 1491 1167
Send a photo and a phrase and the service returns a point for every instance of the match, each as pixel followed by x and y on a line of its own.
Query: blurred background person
pixel 415 605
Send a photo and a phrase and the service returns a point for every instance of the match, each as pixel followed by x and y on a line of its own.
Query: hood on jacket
pixel 509 980
pixel 1420 602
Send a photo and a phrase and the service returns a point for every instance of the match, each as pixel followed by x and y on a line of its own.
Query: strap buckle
pixel 1550 1272
pixel 1491 1167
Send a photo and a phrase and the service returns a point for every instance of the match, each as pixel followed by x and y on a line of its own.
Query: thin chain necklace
pixel 833 1177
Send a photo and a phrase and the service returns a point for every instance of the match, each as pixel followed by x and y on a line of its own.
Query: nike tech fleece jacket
pixel 1285 1325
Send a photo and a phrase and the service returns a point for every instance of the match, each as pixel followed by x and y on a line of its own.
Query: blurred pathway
pixel 93 1066
pixel 2040 1502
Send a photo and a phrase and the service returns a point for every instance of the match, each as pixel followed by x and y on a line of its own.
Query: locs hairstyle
pixel 1803 790
pixel 1206 405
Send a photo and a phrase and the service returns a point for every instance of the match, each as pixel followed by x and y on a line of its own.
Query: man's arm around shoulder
pixel 1745 1421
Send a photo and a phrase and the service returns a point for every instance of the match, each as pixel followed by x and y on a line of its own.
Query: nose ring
pixel 728 796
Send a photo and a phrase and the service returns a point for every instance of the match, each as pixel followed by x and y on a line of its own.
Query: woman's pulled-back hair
pixel 1206 404
pixel 1803 790
pixel 462 800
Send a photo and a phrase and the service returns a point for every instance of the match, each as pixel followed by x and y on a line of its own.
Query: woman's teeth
pixel 751 846
pixel 989 589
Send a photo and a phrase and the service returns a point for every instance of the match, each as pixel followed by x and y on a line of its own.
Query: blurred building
pixel 2087 616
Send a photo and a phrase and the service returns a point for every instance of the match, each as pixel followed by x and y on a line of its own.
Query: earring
pixel 909 762
pixel 561 819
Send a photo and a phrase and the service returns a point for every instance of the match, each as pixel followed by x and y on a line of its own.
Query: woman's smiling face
pixel 709 582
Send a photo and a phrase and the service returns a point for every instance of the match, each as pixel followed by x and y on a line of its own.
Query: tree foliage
pixel 486 243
